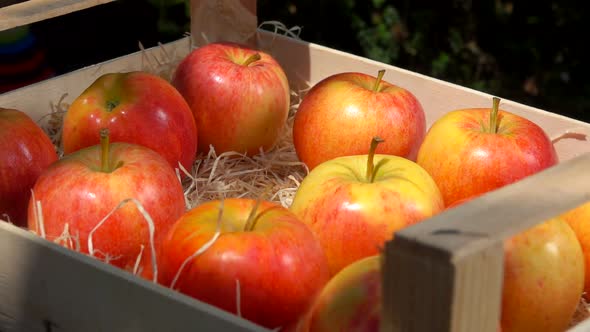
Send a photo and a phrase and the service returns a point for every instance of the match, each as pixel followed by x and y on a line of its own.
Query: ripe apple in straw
pixel 239 97
pixel 355 203
pixel 350 301
pixel 253 258
pixel 137 107
pixel 26 151
pixel 345 110
pixel 543 277
pixel 73 202
pixel 476 150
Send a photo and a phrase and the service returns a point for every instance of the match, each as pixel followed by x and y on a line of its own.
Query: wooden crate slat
pixel 233 21
pixel 42 283
pixel 32 11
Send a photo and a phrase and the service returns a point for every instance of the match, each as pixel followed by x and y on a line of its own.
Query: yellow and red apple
pixel 350 301
pixel 579 221
pixel 353 204
pixel 476 150
pixel 239 97
pixel 346 110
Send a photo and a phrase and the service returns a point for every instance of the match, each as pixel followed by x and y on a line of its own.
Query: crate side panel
pixel 38 10
pixel 43 284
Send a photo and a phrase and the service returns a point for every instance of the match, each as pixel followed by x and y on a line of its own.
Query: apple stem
pixel 494 115
pixel 370 160
pixel 252 58
pixel 251 222
pixel 111 105
pixel 105 149
pixel 252 218
pixel 379 78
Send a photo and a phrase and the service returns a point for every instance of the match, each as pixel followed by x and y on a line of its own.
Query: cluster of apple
pixel 354 200
pixel 374 168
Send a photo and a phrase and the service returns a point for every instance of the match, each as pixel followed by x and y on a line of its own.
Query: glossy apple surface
pixel 346 110
pixel 136 107
pixel 25 151
pixel 354 213
pixel 467 155
pixel 350 301
pixel 543 278
pixel 271 259
pixel 79 191
pixel 240 102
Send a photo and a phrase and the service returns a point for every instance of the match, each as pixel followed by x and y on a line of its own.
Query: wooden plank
pixel 225 20
pixel 43 284
pixel 38 10
pixel 472 282
pixel 437 272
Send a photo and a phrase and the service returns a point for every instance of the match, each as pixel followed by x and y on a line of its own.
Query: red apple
pixel 264 256
pixel 350 301
pixel 137 107
pixel 355 203
pixel 80 190
pixel 543 277
pixel 26 151
pixel 239 97
pixel 345 110
pixel 473 151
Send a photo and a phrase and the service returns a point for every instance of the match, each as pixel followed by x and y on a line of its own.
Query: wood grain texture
pixel 38 10
pixel 426 290
pixel 44 284
pixel 223 20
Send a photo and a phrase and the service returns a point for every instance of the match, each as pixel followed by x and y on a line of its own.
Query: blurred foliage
pixel 526 51
pixel 173 16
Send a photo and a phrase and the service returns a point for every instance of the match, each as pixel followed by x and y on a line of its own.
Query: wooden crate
pixel 32 11
pixel 443 274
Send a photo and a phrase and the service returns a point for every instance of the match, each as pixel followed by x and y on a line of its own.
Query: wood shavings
pixel 231 174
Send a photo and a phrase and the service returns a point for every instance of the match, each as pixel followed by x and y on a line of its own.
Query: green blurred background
pixel 532 52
